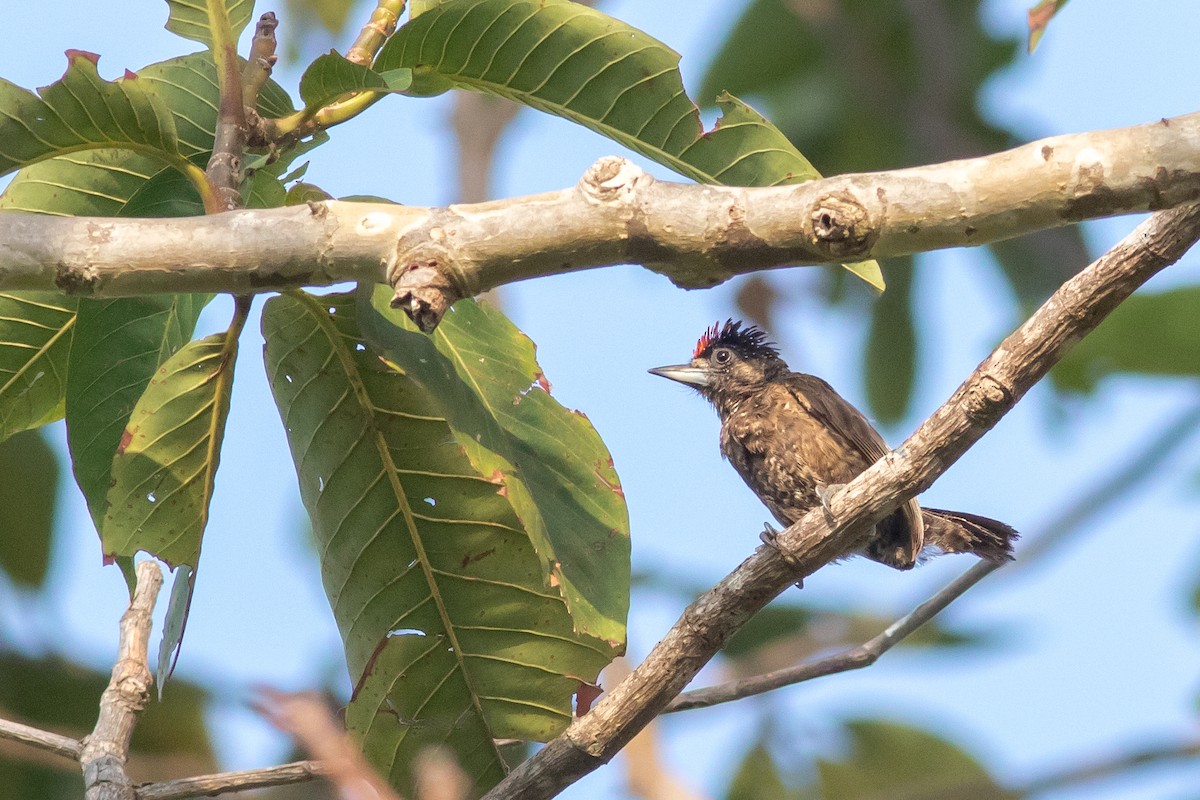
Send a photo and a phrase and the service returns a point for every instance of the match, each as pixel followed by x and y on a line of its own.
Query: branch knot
pixel 841 225
pixel 612 181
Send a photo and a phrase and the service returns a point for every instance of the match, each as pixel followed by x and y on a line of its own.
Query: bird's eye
pixel 722 356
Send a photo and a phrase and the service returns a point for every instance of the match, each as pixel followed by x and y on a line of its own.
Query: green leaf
pixel 758 777
pixel 118 346
pixel 573 61
pixel 550 462
pixel 27 507
pixel 166 463
pixel 892 760
pixel 891 354
pixel 443 600
pixel 174 624
pixel 81 112
pixel 193 19
pixel 331 77
pixel 35 341
pixel 1149 334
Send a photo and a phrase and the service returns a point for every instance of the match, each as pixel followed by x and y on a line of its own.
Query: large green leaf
pixel 163 473
pixel 35 340
pixel 550 463
pixel 27 507
pixel 445 604
pixel 82 112
pixel 576 62
pixel 194 19
pixel 1150 334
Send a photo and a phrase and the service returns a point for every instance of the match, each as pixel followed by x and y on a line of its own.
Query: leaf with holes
pixel 194 19
pixel 163 472
pixel 453 629
pixel 576 62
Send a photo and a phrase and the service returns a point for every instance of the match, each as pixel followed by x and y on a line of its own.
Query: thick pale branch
pixel 106 748
pixel 696 235
pixel 1003 378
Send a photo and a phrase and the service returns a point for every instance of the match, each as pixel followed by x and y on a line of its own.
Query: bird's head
pixel 730 362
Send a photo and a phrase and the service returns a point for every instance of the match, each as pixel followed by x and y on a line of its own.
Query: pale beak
pixel 684 373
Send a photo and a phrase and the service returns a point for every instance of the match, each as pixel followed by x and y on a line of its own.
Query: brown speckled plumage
pixel 788 434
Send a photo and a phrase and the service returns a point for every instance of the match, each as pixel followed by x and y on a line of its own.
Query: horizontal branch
pixel 1022 359
pixel 43 740
pixel 226 782
pixel 696 235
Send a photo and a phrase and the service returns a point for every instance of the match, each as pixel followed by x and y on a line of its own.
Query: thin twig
pixel 864 655
pixel 377 30
pixel 243 780
pixel 1080 512
pixel 822 535
pixel 43 740
pixel 106 749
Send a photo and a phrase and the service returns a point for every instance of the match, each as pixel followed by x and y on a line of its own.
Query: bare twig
pixel 1083 510
pixel 43 740
pixel 209 785
pixel 696 235
pixel 261 61
pixel 997 384
pixel 106 748
pixel 864 655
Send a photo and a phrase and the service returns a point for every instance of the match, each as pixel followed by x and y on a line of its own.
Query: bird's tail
pixel 958 532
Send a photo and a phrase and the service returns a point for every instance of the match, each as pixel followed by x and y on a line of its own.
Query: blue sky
pixel 1098 649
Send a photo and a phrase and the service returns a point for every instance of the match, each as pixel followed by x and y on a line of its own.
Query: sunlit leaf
pixel 27 507
pixel 576 62
pixel 192 19
pixel 166 463
pixel 82 111
pixel 444 603
pixel 35 341
pixel 331 77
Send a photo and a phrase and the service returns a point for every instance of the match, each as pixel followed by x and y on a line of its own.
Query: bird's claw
pixel 825 493
pixel 770 537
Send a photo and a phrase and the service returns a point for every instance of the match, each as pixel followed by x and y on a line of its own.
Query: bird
pixel 794 440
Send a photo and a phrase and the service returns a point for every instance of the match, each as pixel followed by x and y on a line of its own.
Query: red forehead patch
pixel 707 339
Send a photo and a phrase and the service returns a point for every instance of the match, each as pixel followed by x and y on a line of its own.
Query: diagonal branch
pixel 696 235
pixel 1022 359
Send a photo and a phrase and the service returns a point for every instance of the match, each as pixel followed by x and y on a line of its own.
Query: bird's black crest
pixel 749 341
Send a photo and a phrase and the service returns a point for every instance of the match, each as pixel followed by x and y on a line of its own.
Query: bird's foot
pixel 825 493
pixel 770 537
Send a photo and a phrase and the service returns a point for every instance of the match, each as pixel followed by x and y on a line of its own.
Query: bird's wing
pixel 836 414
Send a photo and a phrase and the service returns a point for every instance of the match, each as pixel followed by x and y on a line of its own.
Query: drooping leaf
pixel 118 346
pixel 81 111
pixel 174 624
pixel 758 777
pixel 1039 17
pixel 444 604
pixel 166 462
pixel 1149 334
pixel 887 759
pixel 550 463
pixel 27 507
pixel 331 77
pixel 193 19
pixel 576 62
